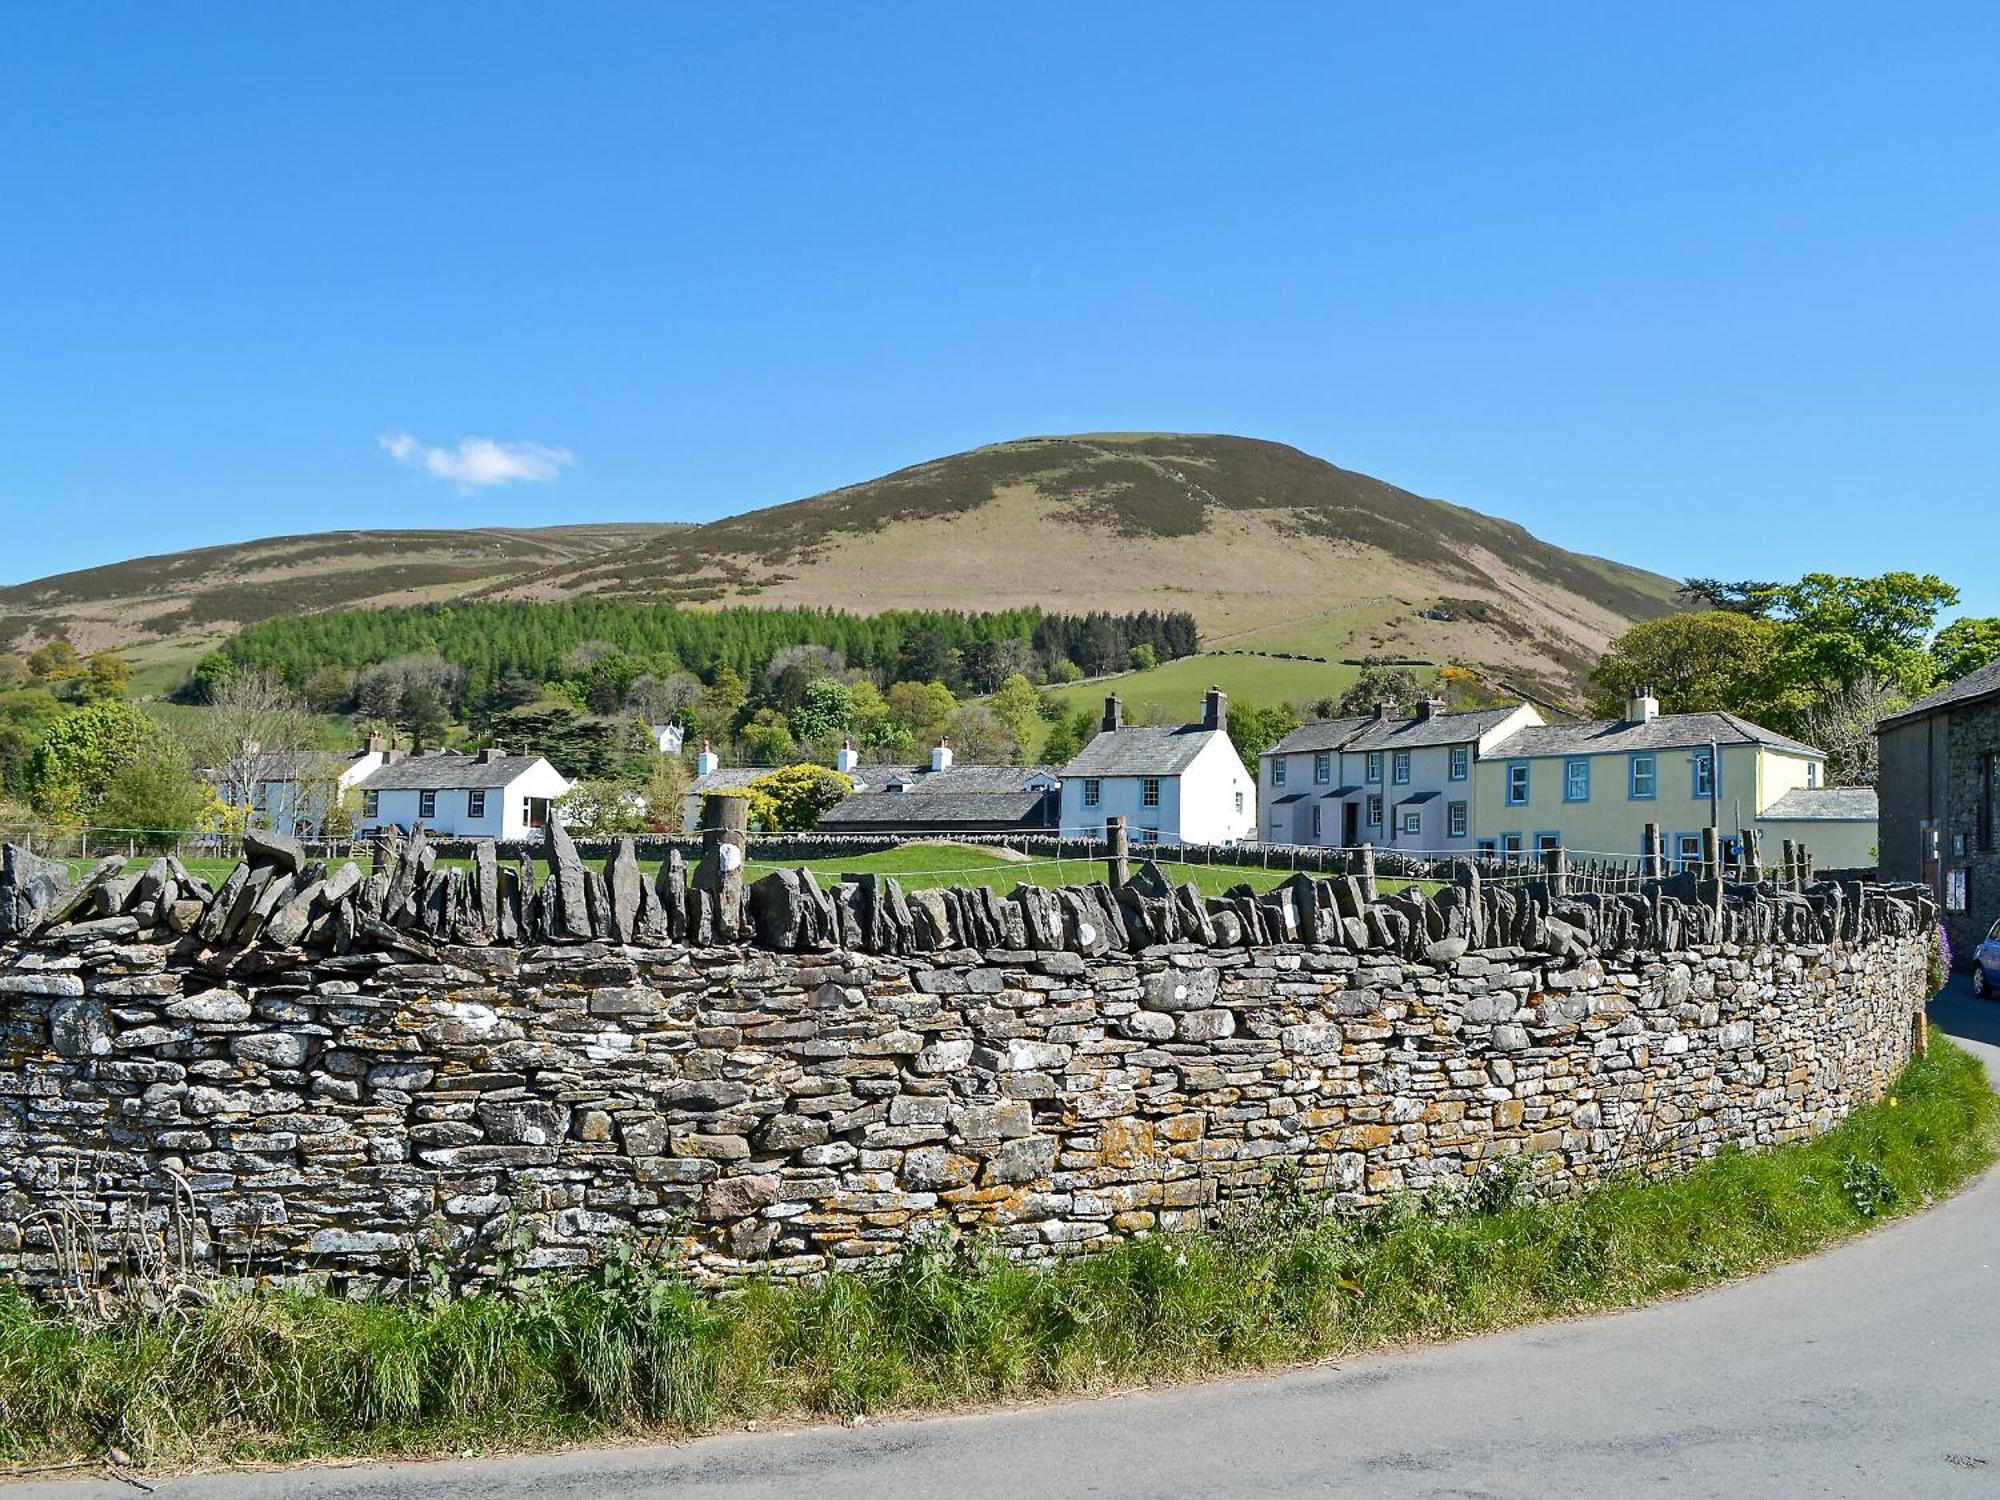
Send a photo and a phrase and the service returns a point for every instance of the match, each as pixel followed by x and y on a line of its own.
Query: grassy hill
pixel 163 612
pixel 1272 549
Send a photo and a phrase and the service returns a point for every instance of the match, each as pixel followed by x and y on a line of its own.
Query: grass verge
pixel 631 1349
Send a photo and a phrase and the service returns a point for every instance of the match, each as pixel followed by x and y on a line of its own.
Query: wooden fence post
pixel 725 839
pixel 1117 865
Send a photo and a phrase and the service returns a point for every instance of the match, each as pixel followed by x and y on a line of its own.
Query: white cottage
pixel 1183 784
pixel 292 791
pixel 489 795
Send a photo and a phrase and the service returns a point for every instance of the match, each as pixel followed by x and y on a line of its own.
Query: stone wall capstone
pixel 367 1077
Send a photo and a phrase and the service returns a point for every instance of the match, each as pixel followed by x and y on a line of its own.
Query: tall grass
pixel 633 1348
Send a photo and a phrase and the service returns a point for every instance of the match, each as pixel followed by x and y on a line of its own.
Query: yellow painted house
pixel 1592 788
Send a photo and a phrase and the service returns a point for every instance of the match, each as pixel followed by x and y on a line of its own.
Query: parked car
pixel 1986 966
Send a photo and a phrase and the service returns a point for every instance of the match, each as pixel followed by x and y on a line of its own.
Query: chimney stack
pixel 377 744
pixel 1215 709
pixel 941 756
pixel 845 759
pixel 1431 707
pixel 1114 716
pixel 1388 709
pixel 1642 707
pixel 490 754
pixel 708 762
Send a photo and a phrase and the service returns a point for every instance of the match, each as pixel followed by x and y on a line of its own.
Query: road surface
pixel 1871 1370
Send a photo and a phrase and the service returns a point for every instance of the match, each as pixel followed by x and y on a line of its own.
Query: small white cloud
pixel 479 463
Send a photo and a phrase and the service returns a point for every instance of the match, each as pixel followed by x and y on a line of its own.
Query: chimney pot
pixel 1642 707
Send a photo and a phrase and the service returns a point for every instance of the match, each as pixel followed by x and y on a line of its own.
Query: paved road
pixel 1869 1371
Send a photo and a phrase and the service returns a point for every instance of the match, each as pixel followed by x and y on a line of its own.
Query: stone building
pixel 1936 791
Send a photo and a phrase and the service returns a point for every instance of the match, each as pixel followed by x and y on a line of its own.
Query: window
pixel 1277 770
pixel 1239 802
pixel 371 804
pixel 1576 779
pixel 1093 791
pixel 1375 766
pixel 1510 843
pixel 475 804
pixel 1375 810
pixel 1149 835
pixel 535 811
pixel 1454 820
pixel 1517 783
pixel 1322 769
pixel 1645 774
pixel 1812 773
pixel 1704 777
pixel 1487 846
pixel 1315 820
pixel 260 798
pixel 427 804
pixel 1461 762
pixel 1544 842
pixel 1149 792
pixel 1400 767
pixel 1413 821
pixel 1687 848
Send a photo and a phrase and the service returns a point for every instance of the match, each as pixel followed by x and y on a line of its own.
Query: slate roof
pixel 1985 683
pixel 436 773
pixel 1321 734
pixel 1834 804
pixel 1430 796
pixel 1667 732
pixel 1339 793
pixel 937 809
pixel 957 780
pixel 1418 734
pixel 1141 750
pixel 1391 734
pixel 1290 797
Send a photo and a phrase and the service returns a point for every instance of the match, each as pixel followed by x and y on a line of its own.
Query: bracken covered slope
pixel 1272 549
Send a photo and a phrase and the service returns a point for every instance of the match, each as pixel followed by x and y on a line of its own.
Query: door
pixel 1350 825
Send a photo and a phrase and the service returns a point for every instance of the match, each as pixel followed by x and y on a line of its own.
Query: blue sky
pixel 1710 289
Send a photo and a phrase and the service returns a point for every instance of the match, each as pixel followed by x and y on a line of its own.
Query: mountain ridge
pixel 1271 548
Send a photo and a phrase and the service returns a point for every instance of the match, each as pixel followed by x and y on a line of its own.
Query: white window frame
pixel 1413 821
pixel 1399 767
pixel 1374 768
pixel 427 804
pixel 371 804
pixel 1322 769
pixel 1456 819
pixel 1093 791
pixel 1374 809
pixel 1461 762
pixel 1149 791
pixel 1277 770
pixel 475 803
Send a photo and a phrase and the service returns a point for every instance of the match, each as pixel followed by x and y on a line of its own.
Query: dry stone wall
pixel 354 1092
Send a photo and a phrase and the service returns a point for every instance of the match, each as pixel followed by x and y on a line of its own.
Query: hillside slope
pixel 176 605
pixel 1270 548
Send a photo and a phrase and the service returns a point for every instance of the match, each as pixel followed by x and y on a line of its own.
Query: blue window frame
pixel 1643 784
pixel 1510 843
pixel 1399 767
pixel 1700 767
pixel 1547 840
pixel 1461 762
pixel 1517 783
pixel 1375 766
pixel 1576 779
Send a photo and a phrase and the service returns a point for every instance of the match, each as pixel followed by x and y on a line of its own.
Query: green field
pixel 918 866
pixel 1172 691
